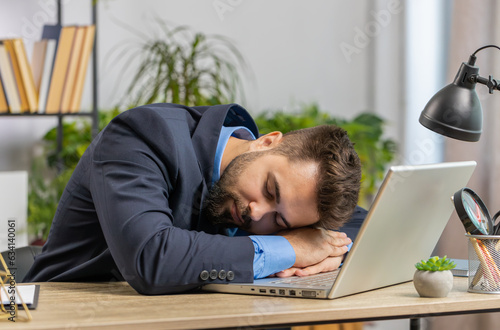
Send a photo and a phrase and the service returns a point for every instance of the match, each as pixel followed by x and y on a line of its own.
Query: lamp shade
pixel 455 111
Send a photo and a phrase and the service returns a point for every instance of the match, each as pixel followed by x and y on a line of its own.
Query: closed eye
pixel 267 190
pixel 276 219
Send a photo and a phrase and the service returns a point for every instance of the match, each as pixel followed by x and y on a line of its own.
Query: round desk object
pixel 472 212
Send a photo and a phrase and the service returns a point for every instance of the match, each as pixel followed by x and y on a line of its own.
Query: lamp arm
pixel 475 78
pixel 491 83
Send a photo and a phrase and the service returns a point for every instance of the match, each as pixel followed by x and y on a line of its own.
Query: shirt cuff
pixel 345 255
pixel 272 254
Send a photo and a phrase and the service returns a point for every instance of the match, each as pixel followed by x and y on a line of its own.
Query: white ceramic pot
pixel 433 284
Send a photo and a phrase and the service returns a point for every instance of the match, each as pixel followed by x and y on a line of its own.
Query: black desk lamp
pixel 455 111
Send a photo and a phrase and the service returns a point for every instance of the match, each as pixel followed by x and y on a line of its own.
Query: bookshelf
pixel 93 112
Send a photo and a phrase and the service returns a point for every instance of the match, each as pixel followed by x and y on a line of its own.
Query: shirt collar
pixel 240 132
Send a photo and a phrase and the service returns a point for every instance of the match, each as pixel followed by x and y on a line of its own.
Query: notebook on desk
pixel 405 221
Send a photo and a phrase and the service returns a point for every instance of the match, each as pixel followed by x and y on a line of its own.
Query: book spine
pixel 4 107
pixel 88 45
pixel 26 74
pixel 37 62
pixel 46 74
pixel 76 52
pixel 9 46
pixel 9 81
pixel 60 69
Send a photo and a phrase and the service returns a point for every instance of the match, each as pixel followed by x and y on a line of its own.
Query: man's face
pixel 263 193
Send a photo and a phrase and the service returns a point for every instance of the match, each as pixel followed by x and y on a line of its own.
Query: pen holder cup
pixel 484 263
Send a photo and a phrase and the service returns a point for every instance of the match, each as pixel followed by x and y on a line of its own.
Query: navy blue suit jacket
pixel 131 210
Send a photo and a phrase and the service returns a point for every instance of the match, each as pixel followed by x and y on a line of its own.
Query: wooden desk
pixel 117 306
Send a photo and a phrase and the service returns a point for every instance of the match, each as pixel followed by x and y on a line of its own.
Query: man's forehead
pixel 297 194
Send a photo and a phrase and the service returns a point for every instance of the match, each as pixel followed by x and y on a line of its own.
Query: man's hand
pixel 313 246
pixel 328 264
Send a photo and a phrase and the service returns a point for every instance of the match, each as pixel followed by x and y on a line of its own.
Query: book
pixel 26 74
pixel 9 46
pixel 51 32
pixel 60 69
pixel 28 292
pixel 76 52
pixel 462 268
pixel 4 107
pixel 9 82
pixel 50 54
pixel 37 62
pixel 88 45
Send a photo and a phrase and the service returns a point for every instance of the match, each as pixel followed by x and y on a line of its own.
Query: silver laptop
pixel 408 215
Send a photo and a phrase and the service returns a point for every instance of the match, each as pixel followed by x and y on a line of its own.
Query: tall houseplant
pixel 179 65
pixel 365 130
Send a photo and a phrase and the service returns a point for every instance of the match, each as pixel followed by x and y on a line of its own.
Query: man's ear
pixel 267 141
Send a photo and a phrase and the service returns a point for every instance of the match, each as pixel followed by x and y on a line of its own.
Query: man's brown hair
pixel 339 169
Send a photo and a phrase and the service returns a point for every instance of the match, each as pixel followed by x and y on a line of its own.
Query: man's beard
pixel 216 211
pixel 220 195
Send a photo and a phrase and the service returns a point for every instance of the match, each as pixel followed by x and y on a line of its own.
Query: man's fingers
pixel 338 242
pixel 338 251
pixel 311 245
pixel 326 265
pixel 338 238
pixel 309 270
pixel 287 272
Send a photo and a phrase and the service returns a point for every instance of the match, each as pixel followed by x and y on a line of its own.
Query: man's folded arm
pixel 274 253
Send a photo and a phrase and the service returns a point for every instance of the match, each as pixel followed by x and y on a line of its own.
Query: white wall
pixel 293 48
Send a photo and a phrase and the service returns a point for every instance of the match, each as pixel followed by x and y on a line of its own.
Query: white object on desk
pixel 27 292
pixel 13 206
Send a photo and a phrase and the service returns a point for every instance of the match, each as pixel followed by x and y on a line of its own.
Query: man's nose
pixel 258 210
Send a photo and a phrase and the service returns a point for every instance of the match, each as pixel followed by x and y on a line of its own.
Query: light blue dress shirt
pixel 272 253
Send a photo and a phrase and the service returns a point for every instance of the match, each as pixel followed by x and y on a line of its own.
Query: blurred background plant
pixel 179 65
pixel 50 172
pixel 365 130
pixel 190 68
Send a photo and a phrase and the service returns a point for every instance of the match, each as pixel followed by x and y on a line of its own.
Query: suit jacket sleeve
pixel 135 183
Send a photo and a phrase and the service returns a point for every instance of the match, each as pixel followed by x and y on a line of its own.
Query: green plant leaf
pixel 48 179
pixel 183 66
pixel 435 264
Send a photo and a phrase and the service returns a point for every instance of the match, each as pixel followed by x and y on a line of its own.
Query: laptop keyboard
pixel 323 279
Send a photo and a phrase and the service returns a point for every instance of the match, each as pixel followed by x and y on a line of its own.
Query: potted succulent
pixel 433 278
